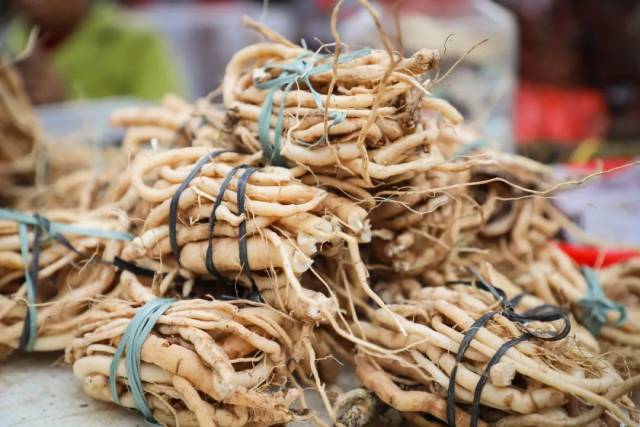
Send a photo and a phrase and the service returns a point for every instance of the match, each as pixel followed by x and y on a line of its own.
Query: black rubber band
pixel 462 349
pixel 516 300
pixel 132 267
pixel 242 232
pixel 175 200
pixel 475 406
pixel 543 313
pixel 212 222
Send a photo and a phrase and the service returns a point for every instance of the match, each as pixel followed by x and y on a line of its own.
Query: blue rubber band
pixel 131 342
pixel 299 70
pixel 58 228
pixel 595 305
pixel 29 333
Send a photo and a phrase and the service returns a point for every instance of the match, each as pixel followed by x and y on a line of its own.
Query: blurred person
pixel 88 49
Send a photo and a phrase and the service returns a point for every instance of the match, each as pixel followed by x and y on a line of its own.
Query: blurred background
pixel 557 80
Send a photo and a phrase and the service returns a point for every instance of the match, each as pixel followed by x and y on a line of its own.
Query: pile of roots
pixel 331 218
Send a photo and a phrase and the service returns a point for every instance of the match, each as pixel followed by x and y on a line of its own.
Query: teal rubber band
pixel 58 228
pixel 131 343
pixel 300 69
pixel 595 305
pixel 31 328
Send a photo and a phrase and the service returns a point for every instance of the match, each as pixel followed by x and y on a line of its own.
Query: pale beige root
pixel 216 359
pixel 351 215
pixel 138 136
pixel 261 256
pixel 155 242
pixel 621 283
pixel 357 408
pixel 585 418
pixel 518 169
pixel 304 304
pixel 173 123
pixel 144 162
pixel 144 116
pixel 383 386
pixel 265 31
pixel 360 195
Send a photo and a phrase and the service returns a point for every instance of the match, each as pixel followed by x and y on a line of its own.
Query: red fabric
pixel 590 256
pixel 564 115
pixel 601 164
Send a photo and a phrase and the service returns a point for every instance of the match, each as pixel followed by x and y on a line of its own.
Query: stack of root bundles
pixel 332 208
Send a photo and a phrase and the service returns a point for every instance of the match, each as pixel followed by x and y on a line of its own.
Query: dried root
pixel 174 123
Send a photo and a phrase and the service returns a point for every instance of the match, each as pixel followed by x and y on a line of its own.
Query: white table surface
pixel 39 390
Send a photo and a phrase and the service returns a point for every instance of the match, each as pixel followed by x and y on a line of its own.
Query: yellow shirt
pixel 108 56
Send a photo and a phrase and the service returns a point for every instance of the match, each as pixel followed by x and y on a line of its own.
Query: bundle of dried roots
pixel 554 277
pixel 217 213
pixel 173 123
pixel 526 382
pixel 363 115
pixel 72 272
pixel 206 362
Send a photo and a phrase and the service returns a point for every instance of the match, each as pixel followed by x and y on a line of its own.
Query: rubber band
pixel 541 313
pixel 131 343
pixel 55 228
pixel 242 232
pixel 299 70
pixel 477 394
pixel 29 331
pixel 175 200
pixel 465 344
pixel 595 306
pixel 132 267
pixel 212 222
